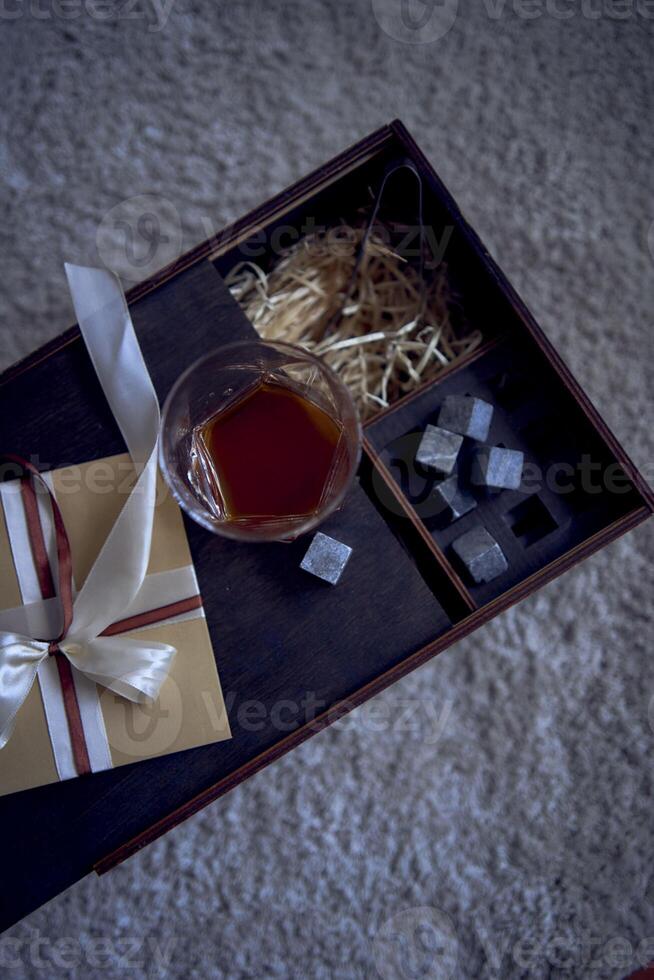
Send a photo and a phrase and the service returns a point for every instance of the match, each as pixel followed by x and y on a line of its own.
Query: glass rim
pixel 190 504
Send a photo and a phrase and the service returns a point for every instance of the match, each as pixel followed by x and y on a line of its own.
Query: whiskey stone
pixel 467 415
pixel 453 498
pixel 481 555
pixel 438 450
pixel 497 468
pixel 326 558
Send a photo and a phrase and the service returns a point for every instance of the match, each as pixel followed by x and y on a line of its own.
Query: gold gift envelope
pixel 189 711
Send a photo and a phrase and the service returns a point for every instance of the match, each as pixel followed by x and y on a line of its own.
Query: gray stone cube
pixel 452 498
pixel 326 558
pixel 467 415
pixel 481 555
pixel 497 468
pixel 438 450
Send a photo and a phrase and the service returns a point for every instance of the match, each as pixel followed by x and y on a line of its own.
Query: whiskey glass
pixel 218 383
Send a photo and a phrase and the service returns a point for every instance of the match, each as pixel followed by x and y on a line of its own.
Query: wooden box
pixel 303 652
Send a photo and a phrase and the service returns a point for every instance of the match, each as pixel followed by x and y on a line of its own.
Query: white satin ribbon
pixel 132 668
pixel 42 617
pixel 135 669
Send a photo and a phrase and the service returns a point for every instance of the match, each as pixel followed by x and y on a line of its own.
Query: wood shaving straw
pixel 395 332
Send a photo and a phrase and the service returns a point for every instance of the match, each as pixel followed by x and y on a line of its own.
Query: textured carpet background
pixel 518 843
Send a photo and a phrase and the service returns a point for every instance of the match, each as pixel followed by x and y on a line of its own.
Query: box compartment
pixel 572 487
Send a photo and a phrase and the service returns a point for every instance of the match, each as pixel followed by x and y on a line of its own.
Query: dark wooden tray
pixel 282 639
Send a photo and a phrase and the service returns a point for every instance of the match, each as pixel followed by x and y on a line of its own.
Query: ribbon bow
pixel 134 669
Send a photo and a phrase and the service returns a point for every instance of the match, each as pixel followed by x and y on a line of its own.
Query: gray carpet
pixel 509 833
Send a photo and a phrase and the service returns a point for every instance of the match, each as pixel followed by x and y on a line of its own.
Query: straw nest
pixel 384 332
